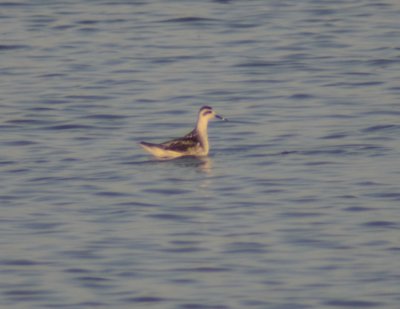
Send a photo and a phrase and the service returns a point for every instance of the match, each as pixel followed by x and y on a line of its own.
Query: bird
pixel 194 143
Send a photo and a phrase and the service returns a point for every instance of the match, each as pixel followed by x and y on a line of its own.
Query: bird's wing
pixel 184 143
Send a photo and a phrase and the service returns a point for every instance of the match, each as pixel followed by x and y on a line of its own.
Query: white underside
pixel 169 154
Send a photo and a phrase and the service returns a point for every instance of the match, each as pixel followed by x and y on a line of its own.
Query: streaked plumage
pixel 194 143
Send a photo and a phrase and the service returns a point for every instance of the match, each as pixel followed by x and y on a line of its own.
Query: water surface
pixel 297 205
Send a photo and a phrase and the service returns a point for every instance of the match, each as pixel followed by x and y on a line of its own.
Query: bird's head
pixel 207 112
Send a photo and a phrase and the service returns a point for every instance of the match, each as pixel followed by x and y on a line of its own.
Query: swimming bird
pixel 194 143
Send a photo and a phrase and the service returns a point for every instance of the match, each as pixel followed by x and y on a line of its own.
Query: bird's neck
pixel 201 128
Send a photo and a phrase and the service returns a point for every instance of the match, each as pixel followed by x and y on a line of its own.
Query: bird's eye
pixel 206 113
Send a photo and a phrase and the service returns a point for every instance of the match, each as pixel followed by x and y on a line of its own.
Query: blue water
pixel 296 207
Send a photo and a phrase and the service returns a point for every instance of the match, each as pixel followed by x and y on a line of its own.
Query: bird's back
pixel 182 144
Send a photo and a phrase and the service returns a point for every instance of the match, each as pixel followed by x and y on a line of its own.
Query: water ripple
pixel 353 303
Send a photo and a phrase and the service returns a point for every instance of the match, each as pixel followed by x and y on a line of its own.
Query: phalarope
pixel 194 143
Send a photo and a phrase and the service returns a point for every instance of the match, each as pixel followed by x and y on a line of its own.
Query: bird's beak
pixel 220 117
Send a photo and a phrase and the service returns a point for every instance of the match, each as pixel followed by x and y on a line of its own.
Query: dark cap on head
pixel 205 107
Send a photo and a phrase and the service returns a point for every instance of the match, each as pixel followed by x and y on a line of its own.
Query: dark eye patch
pixel 206 113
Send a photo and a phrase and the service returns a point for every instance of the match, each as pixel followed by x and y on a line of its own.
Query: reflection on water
pixel 201 164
